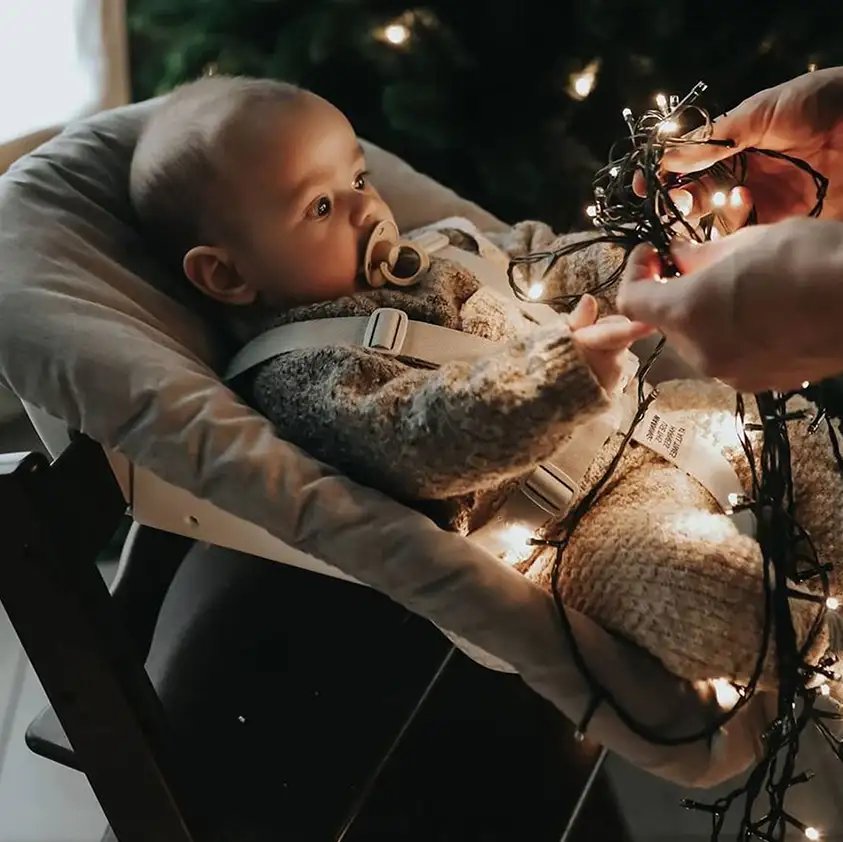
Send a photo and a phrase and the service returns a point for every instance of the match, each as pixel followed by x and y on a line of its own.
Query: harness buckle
pixel 551 489
pixel 386 331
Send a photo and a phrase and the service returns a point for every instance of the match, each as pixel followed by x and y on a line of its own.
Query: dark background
pixel 478 96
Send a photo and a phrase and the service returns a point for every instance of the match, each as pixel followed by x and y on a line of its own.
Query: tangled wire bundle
pixel 633 205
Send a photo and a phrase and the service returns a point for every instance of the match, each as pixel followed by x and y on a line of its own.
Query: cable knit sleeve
pixel 432 434
pixel 572 275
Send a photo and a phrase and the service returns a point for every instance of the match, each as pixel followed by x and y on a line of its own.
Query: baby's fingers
pixel 611 334
pixel 585 313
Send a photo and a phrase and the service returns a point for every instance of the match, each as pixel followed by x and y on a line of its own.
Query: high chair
pixel 95 337
pixel 130 738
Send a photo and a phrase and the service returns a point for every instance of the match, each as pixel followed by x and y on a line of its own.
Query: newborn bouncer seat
pixel 120 379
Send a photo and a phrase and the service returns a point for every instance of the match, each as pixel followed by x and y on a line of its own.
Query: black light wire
pixel 627 219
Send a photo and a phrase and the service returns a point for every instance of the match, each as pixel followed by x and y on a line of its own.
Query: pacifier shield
pixel 389 259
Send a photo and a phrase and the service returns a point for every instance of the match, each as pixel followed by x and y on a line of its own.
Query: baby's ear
pixel 210 270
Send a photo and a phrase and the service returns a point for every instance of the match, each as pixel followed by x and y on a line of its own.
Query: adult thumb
pixel 690 256
pixel 643 295
pixel 692 153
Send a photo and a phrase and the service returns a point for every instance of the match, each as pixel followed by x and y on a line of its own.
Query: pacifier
pixel 392 260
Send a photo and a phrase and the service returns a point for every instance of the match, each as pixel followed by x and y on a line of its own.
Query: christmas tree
pixel 513 103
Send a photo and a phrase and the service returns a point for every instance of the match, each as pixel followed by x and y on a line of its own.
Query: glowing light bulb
pixel 584 84
pixel 535 291
pixel 718 199
pixel 581 84
pixel 812 833
pixel 736 499
pixel 667 127
pixel 396 33
pixel 614 172
pixel 832 603
pixel 516 538
pixel 661 101
pixel 725 692
pixel 812 67
pixel 735 198
pixel 627 114
pixel 591 211
pixel 806 384
pixel 825 690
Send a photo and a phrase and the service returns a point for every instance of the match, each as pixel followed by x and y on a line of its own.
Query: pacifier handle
pixel 390 259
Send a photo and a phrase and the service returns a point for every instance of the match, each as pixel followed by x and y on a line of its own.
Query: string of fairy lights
pixel 647 213
pixel 625 218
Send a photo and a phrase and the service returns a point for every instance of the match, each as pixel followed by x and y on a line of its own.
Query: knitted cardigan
pixel 654 560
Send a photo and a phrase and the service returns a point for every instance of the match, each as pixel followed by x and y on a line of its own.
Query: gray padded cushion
pixel 88 334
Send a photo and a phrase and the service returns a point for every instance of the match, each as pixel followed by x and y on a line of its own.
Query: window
pixel 59 59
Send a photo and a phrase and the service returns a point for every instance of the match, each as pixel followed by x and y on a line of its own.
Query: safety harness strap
pixel 550 490
pixel 387 330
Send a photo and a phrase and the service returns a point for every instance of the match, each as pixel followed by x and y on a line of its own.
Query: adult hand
pixel 760 309
pixel 802 118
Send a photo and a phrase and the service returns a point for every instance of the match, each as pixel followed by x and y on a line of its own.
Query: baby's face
pixel 305 207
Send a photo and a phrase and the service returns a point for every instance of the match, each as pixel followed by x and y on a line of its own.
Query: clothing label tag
pixel 665 435
pixel 676 440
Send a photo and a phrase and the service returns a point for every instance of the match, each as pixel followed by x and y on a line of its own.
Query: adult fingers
pixel 740 126
pixel 642 264
pixel 691 256
pixel 643 295
pixel 683 203
pixel 639 183
pixel 730 207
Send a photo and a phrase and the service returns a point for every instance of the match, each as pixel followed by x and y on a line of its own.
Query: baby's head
pixel 259 190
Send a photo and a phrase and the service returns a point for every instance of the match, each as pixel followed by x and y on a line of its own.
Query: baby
pixel 258 190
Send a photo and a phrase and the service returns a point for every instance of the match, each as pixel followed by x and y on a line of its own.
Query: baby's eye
pixel 321 207
pixel 361 182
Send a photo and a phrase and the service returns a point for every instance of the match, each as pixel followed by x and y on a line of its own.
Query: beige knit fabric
pixel 658 562
pixel 451 440
pixel 655 560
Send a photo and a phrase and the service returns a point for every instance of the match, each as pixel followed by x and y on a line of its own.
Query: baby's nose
pixel 366 212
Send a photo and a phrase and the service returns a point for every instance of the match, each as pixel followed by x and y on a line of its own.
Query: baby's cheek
pixel 338 275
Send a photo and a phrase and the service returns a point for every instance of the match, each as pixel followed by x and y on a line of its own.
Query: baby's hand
pixel 602 342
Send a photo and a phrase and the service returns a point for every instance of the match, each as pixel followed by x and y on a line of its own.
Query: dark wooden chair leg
pixel 56 519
